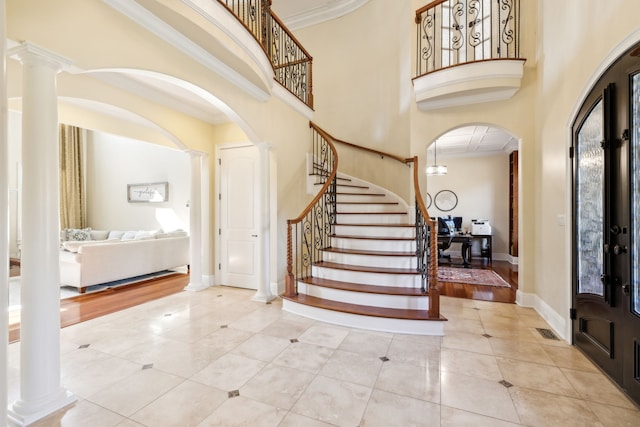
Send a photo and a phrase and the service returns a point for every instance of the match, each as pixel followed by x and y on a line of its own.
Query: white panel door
pixel 239 216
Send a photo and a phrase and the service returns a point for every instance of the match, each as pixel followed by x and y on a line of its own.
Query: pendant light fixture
pixel 435 168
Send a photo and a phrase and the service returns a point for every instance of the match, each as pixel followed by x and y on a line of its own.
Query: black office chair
pixel 446 231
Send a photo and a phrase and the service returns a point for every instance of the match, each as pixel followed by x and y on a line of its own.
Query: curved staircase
pixel 368 276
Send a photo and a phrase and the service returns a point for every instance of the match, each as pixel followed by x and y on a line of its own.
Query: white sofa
pixel 91 262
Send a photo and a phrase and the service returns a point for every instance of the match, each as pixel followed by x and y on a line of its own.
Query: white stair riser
pixel 399 326
pixel 373 231
pixel 372 219
pixel 345 188
pixel 359 198
pixel 366 278
pixel 374 245
pixel 372 208
pixel 371 260
pixel 375 300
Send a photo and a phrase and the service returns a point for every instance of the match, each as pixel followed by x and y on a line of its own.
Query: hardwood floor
pixel 486 293
pixel 84 307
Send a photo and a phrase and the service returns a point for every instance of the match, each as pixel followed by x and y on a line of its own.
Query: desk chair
pixel 443 245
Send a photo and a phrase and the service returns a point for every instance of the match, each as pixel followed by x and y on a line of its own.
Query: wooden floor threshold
pixel 365 269
pixel 369 253
pixel 369 289
pixel 363 310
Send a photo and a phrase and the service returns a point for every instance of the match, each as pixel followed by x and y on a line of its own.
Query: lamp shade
pixel 437 170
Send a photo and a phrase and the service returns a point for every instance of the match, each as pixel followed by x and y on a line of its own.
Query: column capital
pixel 29 53
pixel 264 146
pixel 196 153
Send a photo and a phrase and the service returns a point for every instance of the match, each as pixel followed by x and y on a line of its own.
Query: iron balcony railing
pixel 453 32
pixel 292 64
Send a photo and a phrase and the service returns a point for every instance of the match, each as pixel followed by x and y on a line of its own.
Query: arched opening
pixel 480 193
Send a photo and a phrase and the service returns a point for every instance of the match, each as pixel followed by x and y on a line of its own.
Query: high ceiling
pixel 474 141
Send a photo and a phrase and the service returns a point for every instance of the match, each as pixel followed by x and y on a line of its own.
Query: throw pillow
pixel 99 234
pixel 129 235
pixel 76 234
pixel 115 235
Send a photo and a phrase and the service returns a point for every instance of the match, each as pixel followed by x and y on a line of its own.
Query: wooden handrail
pixel 326 185
pixel 286 30
pixel 371 150
pixel 427 7
pixel 434 292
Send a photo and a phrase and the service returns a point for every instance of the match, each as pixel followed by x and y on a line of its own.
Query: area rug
pixel 471 276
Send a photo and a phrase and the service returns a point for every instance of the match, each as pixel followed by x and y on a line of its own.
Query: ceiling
pixel 474 141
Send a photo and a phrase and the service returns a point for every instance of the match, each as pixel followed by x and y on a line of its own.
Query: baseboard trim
pixel 557 322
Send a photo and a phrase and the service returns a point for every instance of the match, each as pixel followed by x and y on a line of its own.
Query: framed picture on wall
pixel 148 193
pixel 445 200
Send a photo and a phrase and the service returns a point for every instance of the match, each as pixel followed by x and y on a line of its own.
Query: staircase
pixel 367 276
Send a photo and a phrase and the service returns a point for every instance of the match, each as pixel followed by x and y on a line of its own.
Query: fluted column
pixel 263 293
pixel 40 390
pixel 4 219
pixel 195 223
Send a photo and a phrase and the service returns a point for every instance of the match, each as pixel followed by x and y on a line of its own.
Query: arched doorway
pixel 482 173
pixel 606 233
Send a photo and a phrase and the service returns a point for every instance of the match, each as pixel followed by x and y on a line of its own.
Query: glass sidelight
pixel 635 192
pixel 590 189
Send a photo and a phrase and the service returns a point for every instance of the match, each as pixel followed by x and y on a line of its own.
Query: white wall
pixel 113 162
pixel 482 187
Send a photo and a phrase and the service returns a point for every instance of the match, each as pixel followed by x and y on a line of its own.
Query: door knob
pixel 626 289
pixel 616 229
pixel 617 249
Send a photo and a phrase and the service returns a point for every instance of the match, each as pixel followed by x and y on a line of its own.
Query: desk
pixel 488 252
pixel 465 239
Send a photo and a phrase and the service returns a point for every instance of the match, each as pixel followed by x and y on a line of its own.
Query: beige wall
pixel 482 187
pixel 362 87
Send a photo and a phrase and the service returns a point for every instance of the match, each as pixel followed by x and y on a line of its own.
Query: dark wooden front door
pixel 606 234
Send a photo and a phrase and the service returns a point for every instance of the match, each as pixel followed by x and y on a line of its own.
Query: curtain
pixel 72 186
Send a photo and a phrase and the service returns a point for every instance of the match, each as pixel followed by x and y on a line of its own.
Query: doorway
pixel 239 215
pixel 606 234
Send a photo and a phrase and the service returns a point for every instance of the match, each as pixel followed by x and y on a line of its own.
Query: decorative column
pixel 40 390
pixel 195 223
pixel 207 272
pixel 263 294
pixel 4 220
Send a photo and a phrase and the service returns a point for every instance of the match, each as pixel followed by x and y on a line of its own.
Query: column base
pixel 195 287
pixel 23 413
pixel 262 297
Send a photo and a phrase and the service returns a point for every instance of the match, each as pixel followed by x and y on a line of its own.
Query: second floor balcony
pixel 468 51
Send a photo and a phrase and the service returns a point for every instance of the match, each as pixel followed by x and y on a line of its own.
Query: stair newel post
pixel 290 279
pixel 434 292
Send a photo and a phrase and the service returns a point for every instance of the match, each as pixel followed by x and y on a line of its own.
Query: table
pixel 488 252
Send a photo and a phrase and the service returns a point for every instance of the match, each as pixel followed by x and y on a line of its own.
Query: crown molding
pixel 328 11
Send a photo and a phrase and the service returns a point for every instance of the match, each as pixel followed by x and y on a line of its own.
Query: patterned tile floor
pixel 215 358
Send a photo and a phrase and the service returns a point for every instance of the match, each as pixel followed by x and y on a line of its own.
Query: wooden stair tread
pixel 365 269
pixel 372 253
pixel 371 213
pixel 367 203
pixel 363 310
pixel 377 225
pixel 346 236
pixel 346 185
pixel 357 287
pixel 360 194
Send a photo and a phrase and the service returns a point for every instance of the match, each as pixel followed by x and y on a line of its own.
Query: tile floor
pixel 215 358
